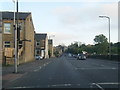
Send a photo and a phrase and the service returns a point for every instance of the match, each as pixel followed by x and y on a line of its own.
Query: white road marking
pixel 57 85
pixel 40 67
pixel 98 86
pixel 37 69
pixel 61 85
pixel 95 68
pixel 44 65
pixel 105 83
pixel 116 83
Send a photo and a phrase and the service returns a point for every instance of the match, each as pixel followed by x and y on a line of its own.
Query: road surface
pixel 68 72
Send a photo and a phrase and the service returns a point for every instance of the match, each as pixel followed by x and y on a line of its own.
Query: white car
pixel 37 57
pixel 81 57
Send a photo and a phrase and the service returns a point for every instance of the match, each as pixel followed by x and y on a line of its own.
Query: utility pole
pixel 16 39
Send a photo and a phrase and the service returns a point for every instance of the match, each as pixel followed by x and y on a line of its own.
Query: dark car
pixel 81 57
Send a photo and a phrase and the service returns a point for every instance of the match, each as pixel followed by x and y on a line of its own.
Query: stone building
pixel 50 47
pixel 41 45
pixel 26 48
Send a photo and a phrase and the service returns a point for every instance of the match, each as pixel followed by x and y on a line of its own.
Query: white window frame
pixel 37 43
pixel 6 27
pixel 21 44
pixel 5 44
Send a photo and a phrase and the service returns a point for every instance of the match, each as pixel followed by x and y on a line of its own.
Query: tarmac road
pixel 68 72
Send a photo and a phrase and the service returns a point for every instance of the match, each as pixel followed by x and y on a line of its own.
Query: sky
pixel 70 20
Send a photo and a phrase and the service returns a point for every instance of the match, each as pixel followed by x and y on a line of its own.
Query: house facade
pixel 41 45
pixel 50 48
pixel 26 48
pixel 1 56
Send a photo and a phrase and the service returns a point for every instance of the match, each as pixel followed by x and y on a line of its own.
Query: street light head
pixel 103 16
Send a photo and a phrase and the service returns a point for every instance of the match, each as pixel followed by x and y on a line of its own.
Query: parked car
pixel 37 57
pixel 69 54
pixel 81 57
pixel 75 55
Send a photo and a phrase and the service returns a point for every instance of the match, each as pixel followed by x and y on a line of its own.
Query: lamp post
pixel 52 44
pixel 15 36
pixel 109 34
pixel 51 36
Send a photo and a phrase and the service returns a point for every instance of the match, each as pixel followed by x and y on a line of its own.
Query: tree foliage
pixel 100 39
pixel 101 47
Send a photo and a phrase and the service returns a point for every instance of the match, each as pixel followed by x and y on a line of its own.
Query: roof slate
pixel 40 36
pixel 10 15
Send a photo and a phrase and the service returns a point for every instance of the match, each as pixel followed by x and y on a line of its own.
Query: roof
pixel 40 36
pixel 50 41
pixel 10 15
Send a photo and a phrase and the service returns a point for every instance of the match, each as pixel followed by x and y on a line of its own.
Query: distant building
pixel 26 49
pixel 59 50
pixel 41 45
pixel 50 47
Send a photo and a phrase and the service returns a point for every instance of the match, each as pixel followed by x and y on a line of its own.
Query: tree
pixel 101 46
pixel 49 53
pixel 73 48
pixel 56 53
pixel 100 39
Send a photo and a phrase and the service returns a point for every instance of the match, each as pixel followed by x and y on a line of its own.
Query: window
pixel 37 43
pixel 37 51
pixel 20 44
pixel 7 27
pixel 7 44
pixel 20 26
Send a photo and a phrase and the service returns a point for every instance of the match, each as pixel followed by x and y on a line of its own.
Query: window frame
pixel 20 44
pixel 37 43
pixel 37 52
pixel 6 27
pixel 6 45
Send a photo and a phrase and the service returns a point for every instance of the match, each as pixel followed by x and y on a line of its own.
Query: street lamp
pixel 51 36
pixel 16 35
pixel 109 34
pixel 15 39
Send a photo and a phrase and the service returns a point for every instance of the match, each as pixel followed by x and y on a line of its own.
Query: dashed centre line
pixel 40 67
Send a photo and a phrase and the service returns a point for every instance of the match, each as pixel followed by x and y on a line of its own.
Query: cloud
pixel 62 38
pixel 63 10
pixel 85 20
pixel 110 9
pixel 86 15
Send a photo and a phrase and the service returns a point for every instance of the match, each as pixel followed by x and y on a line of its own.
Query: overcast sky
pixel 70 20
